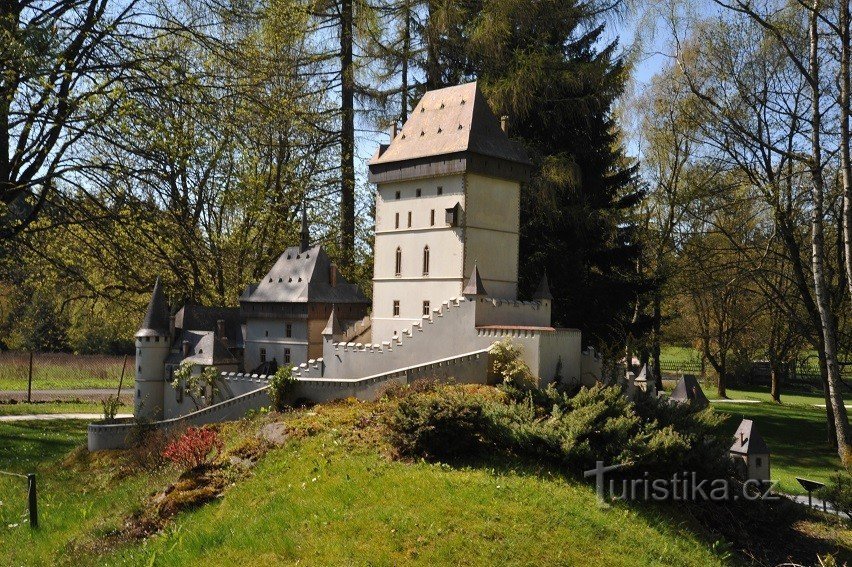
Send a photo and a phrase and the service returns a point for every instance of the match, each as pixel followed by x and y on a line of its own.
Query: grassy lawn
pixel 676 354
pixel 63 371
pixel 331 496
pixel 794 431
pixel 78 495
pixel 24 408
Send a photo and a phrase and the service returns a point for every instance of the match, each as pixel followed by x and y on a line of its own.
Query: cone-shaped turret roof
pixel 747 441
pixel 543 291
pixel 156 322
pixel 474 284
pixel 333 327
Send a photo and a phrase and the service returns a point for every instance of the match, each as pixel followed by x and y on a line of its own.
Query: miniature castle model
pixel 445 280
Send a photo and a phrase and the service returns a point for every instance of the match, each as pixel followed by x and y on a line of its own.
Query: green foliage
pixel 508 366
pixel 838 492
pixel 203 385
pixel 110 406
pixel 573 431
pixel 280 386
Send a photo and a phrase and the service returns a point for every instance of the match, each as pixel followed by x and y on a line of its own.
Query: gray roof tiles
pixel 474 284
pixel 450 121
pixel 206 349
pixel 301 277
pixel 747 441
pixel 156 321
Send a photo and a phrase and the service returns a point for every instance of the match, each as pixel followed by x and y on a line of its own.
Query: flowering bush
pixel 197 446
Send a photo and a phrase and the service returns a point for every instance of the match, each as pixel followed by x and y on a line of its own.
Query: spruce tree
pixel 542 64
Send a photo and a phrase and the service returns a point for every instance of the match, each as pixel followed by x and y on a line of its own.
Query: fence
pixel 28 376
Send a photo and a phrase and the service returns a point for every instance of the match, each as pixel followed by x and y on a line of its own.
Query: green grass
pixel 317 503
pixel 79 497
pixel 788 398
pixel 330 496
pixel 60 371
pixel 794 430
pixel 676 354
pixel 38 408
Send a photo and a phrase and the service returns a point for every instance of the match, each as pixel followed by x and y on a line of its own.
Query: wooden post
pixel 33 500
pixel 30 380
pixel 121 380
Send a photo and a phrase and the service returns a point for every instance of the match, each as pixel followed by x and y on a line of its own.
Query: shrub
pixel 196 384
pixel 838 492
pixel 508 366
pixel 597 423
pixel 280 385
pixel 442 424
pixel 110 407
pixel 146 445
pixel 196 447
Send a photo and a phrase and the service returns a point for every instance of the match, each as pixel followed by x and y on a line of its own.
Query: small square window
pixel 267 333
pixel 426 308
pixel 287 355
pixel 396 308
pixel 288 330
pixel 398 195
pixel 419 192
pixel 409 219
pixel 440 190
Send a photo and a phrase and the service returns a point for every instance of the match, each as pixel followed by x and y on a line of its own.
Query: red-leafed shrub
pixel 197 446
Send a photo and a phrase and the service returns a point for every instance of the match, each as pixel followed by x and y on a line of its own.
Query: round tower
pixel 153 341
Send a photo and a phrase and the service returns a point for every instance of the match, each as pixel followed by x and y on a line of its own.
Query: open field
pixel 39 408
pixel 62 371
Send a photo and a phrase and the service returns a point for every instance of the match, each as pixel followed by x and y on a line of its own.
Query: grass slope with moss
pixel 332 496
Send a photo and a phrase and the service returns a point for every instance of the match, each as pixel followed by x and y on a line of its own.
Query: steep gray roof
pixel 301 277
pixel 688 389
pixel 156 321
pixel 474 284
pixel 200 318
pixel 747 441
pixel 543 291
pixel 205 349
pixel 333 327
pixel 449 121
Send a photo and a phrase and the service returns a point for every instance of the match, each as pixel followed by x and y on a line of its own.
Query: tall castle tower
pixel 448 199
pixel 153 340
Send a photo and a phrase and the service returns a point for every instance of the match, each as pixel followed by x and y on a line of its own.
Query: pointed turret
pixel 333 327
pixel 305 240
pixel 156 322
pixel 474 287
pixel 543 291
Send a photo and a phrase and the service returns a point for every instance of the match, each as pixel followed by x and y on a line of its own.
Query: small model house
pixel 689 390
pixel 750 452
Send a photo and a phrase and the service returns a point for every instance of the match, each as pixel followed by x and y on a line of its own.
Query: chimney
pixel 504 124
pixel 185 349
pixel 220 330
pixel 332 275
pixel 394 130
pixel 305 240
pixel 172 327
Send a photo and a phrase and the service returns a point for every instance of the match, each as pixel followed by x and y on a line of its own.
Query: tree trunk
pixel 655 340
pixel 775 378
pixel 722 387
pixel 821 292
pixel 829 412
pixel 347 135
pixel 845 160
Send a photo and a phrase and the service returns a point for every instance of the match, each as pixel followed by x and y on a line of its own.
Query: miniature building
pixel 642 383
pixel 689 390
pixel 750 452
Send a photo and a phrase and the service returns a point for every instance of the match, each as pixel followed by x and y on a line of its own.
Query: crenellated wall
pixel 452 329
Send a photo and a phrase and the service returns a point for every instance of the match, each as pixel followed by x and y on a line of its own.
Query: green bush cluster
pixel 838 492
pixel 574 431
pixel 280 385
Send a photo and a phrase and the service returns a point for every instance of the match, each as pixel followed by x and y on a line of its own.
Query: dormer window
pixel 453 215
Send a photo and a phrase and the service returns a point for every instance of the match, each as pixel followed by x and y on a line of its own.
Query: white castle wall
pixel 452 331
